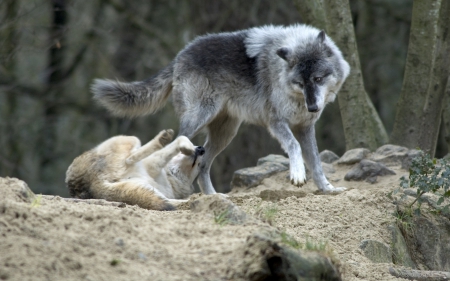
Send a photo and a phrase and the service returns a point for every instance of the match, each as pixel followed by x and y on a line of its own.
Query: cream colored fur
pixel 157 175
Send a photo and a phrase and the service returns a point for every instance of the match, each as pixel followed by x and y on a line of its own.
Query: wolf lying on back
pixel 277 77
pixel 151 176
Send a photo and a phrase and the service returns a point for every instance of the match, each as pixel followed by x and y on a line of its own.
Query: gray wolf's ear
pixel 284 53
pixel 321 36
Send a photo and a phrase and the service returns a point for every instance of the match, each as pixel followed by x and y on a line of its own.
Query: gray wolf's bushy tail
pixel 135 98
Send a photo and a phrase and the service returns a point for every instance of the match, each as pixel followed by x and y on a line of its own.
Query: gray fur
pixel 277 77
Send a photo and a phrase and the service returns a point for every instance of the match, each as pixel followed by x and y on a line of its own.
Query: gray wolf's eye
pixel 317 79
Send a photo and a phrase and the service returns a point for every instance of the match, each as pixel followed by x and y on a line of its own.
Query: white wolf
pixel 151 176
pixel 277 77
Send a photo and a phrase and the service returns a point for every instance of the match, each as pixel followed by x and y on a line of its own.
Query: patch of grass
pixel 318 246
pixel 114 262
pixel 290 241
pixel 404 220
pixel 36 201
pixel 267 214
pixel 222 218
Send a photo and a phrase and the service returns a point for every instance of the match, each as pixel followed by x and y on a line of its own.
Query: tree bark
pixel 423 85
pixel 446 117
pixel 433 107
pixel 362 125
pixel 312 12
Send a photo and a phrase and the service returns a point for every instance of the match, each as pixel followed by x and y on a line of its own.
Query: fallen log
pixel 420 275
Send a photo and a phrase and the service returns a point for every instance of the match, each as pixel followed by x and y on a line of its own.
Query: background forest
pixel 50 51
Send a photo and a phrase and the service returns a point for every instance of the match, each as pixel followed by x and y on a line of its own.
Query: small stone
pixel 354 156
pixel 253 176
pixel 328 156
pixel 274 158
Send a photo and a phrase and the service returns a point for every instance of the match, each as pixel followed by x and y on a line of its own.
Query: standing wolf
pixel 277 77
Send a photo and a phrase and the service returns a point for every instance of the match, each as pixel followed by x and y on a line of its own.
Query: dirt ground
pixel 53 239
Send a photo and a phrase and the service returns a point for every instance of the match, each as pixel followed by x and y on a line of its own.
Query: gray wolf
pixel 277 77
pixel 157 175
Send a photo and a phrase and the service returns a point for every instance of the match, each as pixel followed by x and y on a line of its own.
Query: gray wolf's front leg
pixel 312 159
pixel 281 131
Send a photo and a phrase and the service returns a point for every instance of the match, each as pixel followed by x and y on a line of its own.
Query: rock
pixel 277 195
pixel 376 251
pixel 368 170
pixel 392 155
pixel 262 258
pixel 328 156
pixel 406 162
pixel 251 177
pixel 274 158
pixel 15 189
pixel 219 205
pixel 354 156
pixel 400 251
pixel 431 234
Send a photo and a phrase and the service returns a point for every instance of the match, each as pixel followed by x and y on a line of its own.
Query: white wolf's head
pixel 186 167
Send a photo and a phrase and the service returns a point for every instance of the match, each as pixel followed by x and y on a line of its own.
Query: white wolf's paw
pixel 298 179
pixel 165 137
pixel 185 145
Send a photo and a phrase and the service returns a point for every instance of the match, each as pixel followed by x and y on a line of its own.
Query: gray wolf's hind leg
pixel 164 137
pixel 220 133
pixel 310 153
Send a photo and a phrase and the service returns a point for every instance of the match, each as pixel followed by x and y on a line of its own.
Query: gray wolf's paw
pixel 185 145
pixel 331 189
pixel 298 178
pixel 165 137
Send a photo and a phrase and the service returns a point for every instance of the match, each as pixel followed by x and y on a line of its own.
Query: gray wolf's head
pixel 316 69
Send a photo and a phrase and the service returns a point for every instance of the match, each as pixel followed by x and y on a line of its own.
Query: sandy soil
pixel 43 239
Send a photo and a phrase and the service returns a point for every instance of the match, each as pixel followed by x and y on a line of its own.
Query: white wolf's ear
pixel 284 53
pixel 321 36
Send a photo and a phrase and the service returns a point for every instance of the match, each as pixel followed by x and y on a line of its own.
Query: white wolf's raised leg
pixel 312 159
pixel 158 142
pixel 281 131
pixel 158 160
pixel 220 133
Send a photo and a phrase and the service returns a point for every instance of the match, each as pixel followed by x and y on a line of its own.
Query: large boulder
pixel 376 251
pixel 400 251
pixel 264 258
pixel 368 170
pixel 394 155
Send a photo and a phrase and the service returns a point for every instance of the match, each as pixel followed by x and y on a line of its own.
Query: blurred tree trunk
pixel 446 116
pixel 420 105
pixel 312 12
pixel 55 75
pixel 362 125
pixel 9 151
